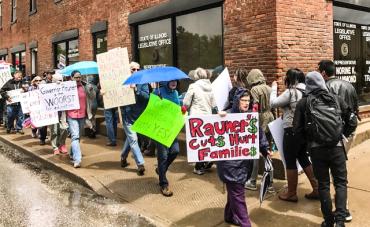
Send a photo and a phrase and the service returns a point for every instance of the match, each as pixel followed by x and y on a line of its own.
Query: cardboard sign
pixel 14 95
pixel 162 120
pixel 43 118
pixel 114 68
pixel 221 88
pixel 59 97
pixel 5 74
pixel 214 138
pixel 28 99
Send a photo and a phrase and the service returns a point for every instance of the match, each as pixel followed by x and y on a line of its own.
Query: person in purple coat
pixel 234 173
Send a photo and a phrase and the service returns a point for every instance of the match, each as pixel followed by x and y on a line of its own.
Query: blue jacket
pixel 238 171
pixel 165 92
pixel 132 112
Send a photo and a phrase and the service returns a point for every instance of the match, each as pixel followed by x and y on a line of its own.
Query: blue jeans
pixel 111 119
pixel 131 142
pixel 14 112
pixel 76 125
pixel 165 157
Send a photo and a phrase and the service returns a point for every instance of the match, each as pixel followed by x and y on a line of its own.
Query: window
pixel 34 61
pixel 19 61
pixel 100 43
pixel 66 53
pixel 3 58
pixel 352 49
pixel 14 11
pixel 33 6
pixel 155 44
pixel 1 13
pixel 199 42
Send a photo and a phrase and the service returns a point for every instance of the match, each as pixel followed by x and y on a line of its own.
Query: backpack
pixel 324 123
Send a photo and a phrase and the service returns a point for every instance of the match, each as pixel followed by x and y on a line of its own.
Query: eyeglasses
pixel 38 80
pixel 135 69
pixel 77 77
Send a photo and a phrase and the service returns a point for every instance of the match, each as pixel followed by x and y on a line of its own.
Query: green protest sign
pixel 162 120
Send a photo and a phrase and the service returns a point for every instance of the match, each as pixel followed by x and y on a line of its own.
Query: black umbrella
pixel 266 178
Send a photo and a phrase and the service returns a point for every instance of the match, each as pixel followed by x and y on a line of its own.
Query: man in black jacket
pixel 346 91
pixel 325 157
pixel 14 110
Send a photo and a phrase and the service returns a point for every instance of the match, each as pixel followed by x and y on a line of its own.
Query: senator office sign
pixel 215 138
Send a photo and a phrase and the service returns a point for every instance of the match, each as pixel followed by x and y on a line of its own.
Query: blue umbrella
pixel 84 67
pixel 157 74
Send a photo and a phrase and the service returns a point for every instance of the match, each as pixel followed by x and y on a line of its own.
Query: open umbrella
pixel 266 178
pixel 157 74
pixel 84 67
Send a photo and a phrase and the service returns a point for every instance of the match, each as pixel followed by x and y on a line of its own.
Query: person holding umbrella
pixel 234 173
pixel 130 114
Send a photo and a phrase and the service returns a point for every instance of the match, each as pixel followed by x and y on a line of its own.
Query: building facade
pixel 272 35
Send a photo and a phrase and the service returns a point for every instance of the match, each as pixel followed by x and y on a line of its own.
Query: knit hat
pixel 314 82
pixel 57 77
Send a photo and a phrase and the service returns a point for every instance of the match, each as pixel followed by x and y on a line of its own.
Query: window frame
pixel 33 7
pixel 135 31
pixel 33 53
pixel 1 14
pixel 13 14
pixel 67 49
pixel 20 59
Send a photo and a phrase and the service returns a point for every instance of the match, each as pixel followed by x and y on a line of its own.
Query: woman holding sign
pixel 234 173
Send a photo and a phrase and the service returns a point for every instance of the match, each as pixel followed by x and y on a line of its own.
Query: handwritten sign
pixel 5 74
pixel 43 118
pixel 59 97
pixel 114 68
pixel 28 99
pixel 14 95
pixel 215 138
pixel 162 120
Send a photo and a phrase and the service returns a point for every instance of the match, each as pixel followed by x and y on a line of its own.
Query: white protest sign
pixel 221 88
pixel 28 99
pixel 14 95
pixel 59 97
pixel 43 118
pixel 213 138
pixel 5 74
pixel 114 69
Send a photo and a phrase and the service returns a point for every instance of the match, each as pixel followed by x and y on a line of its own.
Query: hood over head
pixel 315 82
pixel 239 93
pixel 255 77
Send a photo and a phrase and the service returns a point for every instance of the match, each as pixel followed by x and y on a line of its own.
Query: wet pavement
pixel 31 195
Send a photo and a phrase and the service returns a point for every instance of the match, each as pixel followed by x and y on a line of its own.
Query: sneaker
pixel 124 163
pixel 110 144
pixel 42 142
pixel 56 151
pixel 198 171
pixel 33 135
pixel 77 164
pixel 63 149
pixel 250 186
pixel 20 132
pixel 208 166
pixel 271 189
pixel 327 224
pixel 8 131
pixel 156 171
pixel 140 170
pixel 166 192
pixel 348 216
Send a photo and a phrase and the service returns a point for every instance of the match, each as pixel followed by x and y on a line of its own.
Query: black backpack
pixel 324 124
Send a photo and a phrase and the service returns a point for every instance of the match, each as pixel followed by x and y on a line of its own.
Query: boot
pixel 291 194
pixel 314 195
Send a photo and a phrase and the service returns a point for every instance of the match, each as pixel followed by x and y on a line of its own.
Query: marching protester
pixel 58 131
pixel 347 92
pixel 319 118
pixel 111 121
pixel 199 99
pixel 76 118
pixel 14 110
pixel 166 155
pixel 234 173
pixel 260 93
pixel 239 80
pixel 294 147
pixel 42 131
pixel 93 102
pixel 130 114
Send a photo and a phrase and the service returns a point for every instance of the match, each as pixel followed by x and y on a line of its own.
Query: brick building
pixel 272 35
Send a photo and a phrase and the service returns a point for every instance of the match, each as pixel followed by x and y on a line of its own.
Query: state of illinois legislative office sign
pixel 215 138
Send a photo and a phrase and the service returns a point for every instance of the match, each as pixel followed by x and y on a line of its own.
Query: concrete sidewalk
pixel 197 200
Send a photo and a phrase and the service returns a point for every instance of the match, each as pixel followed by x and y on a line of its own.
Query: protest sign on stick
pixel 221 88
pixel 5 74
pixel 162 120
pixel 215 138
pixel 59 97
pixel 14 96
pixel 114 68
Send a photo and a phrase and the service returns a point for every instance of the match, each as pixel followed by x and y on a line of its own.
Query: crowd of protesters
pixel 250 93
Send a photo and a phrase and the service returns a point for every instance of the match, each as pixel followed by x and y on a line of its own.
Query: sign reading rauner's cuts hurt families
pixel 215 138
pixel 60 97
